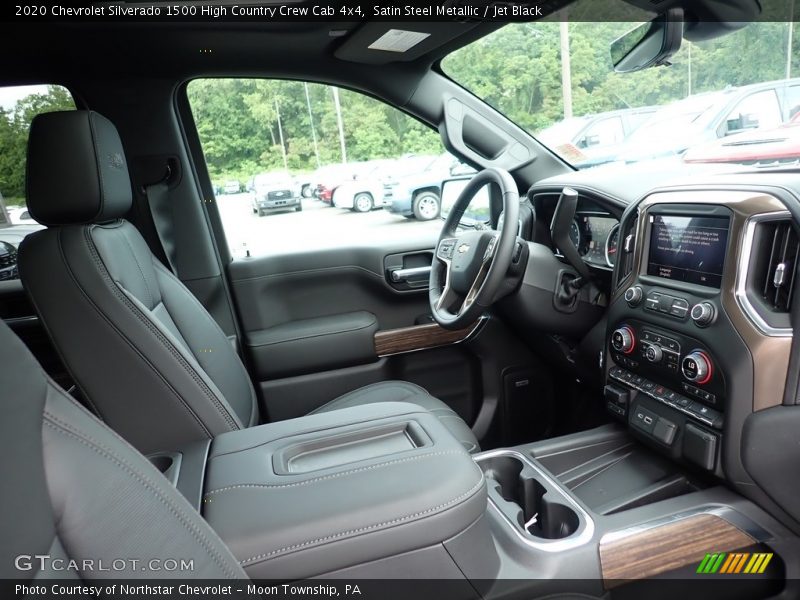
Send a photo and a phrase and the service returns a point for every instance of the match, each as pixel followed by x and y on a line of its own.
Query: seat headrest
pixel 76 172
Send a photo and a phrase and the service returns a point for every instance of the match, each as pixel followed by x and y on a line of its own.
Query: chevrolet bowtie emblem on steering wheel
pixel 463 248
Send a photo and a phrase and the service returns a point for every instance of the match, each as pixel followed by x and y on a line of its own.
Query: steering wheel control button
pixel 703 314
pixel 696 367
pixel 633 296
pixel 490 248
pixel 623 340
pixel 446 248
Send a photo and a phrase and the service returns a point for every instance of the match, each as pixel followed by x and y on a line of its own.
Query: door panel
pixel 350 326
pixel 276 289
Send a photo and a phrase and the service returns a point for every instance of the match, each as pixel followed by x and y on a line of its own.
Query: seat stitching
pixel 91 302
pixel 333 475
pixel 100 177
pixel 327 538
pixel 157 334
pixel 65 429
pixel 158 266
pixel 138 266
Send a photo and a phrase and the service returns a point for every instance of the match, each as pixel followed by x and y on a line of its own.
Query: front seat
pixel 148 358
pixel 78 492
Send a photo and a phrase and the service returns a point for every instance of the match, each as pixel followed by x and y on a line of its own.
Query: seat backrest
pixel 75 491
pixel 145 353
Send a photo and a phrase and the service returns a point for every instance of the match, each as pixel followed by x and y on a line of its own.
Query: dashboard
pixel 594 230
pixel 596 236
pixel 697 335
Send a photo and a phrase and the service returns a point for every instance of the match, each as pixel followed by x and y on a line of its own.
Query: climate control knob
pixel 653 353
pixel 623 340
pixel 696 367
pixel 633 296
pixel 703 314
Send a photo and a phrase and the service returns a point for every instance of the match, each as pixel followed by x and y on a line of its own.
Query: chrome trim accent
pixel 740 291
pixel 735 518
pixel 21 320
pixel 608 238
pixel 581 537
pixel 405 274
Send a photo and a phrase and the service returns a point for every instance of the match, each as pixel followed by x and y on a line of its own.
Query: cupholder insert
pixel 162 462
pixel 538 513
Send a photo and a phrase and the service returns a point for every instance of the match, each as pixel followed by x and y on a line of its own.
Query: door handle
pixel 412 273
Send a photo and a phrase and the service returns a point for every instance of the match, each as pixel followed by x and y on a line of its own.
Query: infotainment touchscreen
pixel 689 249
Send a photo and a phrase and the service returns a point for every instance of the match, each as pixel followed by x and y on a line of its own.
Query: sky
pixel 10 95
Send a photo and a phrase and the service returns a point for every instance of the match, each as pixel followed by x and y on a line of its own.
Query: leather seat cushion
pixel 403 391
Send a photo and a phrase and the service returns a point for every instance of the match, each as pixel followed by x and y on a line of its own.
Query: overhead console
pixel 701 274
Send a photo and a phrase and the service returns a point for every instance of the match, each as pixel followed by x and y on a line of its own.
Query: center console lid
pixel 308 496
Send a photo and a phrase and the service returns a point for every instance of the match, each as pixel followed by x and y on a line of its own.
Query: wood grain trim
pixel 666 547
pixel 418 337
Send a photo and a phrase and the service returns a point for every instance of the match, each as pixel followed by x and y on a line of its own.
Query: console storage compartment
pixel 309 496
pixel 607 470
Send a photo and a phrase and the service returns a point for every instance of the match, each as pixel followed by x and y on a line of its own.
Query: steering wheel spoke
pixel 469 266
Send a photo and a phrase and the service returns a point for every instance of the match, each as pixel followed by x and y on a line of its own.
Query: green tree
pixel 14 128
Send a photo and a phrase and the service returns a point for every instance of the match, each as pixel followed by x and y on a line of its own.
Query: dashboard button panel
pixel 694 409
pixel 673 306
pixel 669 358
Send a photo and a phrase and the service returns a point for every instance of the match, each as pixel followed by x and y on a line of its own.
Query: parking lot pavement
pixel 317 226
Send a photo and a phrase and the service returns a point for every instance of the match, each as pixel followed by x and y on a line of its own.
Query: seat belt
pixel 157 196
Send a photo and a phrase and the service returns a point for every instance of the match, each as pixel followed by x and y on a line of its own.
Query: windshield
pixel 674 119
pixel 266 179
pixel 713 92
pixel 568 129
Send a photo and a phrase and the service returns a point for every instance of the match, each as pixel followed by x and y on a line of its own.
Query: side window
pixel 635 119
pixel 603 133
pixel 792 101
pixel 298 166
pixel 18 107
pixel 756 111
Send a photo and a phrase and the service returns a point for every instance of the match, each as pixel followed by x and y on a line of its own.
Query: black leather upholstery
pixel 332 490
pixel 77 171
pixel 403 391
pixel 145 353
pixel 81 493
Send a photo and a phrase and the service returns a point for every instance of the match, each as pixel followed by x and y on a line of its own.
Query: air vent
pixel 775 251
pixel 626 246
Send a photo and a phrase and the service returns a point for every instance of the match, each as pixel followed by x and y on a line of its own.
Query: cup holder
pixel 169 463
pixel 534 507
pixel 162 462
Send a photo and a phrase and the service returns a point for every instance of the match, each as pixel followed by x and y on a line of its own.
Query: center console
pixel 665 378
pixel 331 491
pixel 679 369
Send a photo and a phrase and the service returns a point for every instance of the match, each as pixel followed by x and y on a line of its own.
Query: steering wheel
pixel 469 266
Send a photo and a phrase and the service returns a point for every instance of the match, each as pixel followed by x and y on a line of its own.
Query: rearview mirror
pixel 650 44
pixel 478 212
